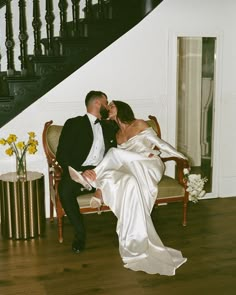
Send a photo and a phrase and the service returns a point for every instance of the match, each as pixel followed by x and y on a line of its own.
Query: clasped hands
pixel 90 174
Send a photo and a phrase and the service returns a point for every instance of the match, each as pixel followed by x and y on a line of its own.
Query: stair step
pixel 20 85
pixel 6 106
pixel 99 29
pixel 3 84
pixel 5 100
pixel 45 59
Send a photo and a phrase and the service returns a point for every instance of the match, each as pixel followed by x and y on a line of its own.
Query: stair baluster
pixel 49 17
pixel 75 15
pixel 88 9
pixel 63 5
pixel 36 23
pixel 0 56
pixel 23 37
pixel 9 41
pixel 101 14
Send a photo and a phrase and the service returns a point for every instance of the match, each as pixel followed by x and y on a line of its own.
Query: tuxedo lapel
pixel 87 127
pixel 84 139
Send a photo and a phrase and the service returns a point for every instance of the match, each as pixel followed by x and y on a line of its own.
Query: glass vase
pixel 21 171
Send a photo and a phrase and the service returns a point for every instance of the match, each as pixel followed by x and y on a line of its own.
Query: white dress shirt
pixel 97 150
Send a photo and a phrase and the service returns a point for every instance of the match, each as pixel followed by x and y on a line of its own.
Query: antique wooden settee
pixel 170 189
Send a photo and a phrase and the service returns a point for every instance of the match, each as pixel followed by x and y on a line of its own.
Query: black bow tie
pixel 97 121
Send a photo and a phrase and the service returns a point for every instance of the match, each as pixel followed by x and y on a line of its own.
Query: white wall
pixel 140 68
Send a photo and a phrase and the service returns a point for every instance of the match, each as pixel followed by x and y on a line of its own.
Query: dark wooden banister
pixel 37 28
pixel 73 46
pixel 23 37
pixel 63 5
pixel 36 24
pixel 49 17
pixel 2 3
pixel 88 9
pixel 9 41
pixel 75 17
pixel 101 9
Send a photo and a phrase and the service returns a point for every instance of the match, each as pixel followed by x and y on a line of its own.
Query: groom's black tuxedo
pixel 74 146
pixel 76 140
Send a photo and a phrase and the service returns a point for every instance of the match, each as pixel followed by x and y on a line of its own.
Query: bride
pixel 127 179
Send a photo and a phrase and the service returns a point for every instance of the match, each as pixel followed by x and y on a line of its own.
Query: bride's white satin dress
pixel 129 181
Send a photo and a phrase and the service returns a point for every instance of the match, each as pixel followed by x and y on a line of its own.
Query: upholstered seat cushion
pixel 168 188
pixel 84 200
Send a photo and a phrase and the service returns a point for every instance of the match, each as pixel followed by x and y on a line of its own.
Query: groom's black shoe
pixel 78 245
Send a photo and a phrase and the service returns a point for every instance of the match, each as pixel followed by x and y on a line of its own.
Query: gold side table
pixel 22 206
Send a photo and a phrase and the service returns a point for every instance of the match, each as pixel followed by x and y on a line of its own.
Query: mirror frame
pixel 172 58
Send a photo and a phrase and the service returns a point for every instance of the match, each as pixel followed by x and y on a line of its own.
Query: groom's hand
pixel 90 174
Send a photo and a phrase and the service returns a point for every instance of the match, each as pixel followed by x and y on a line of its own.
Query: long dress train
pixel 129 179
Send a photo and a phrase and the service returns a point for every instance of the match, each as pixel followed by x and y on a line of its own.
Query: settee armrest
pixel 180 165
pixel 56 169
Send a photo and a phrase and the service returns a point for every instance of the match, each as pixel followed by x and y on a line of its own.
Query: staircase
pixel 55 57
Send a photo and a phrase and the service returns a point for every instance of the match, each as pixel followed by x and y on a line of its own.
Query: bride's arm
pixel 163 146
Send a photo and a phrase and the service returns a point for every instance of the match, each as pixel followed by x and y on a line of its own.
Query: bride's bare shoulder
pixel 141 124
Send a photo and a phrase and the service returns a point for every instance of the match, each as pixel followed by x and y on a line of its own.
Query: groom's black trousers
pixel 69 190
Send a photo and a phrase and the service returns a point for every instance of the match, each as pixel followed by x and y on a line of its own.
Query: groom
pixel 83 142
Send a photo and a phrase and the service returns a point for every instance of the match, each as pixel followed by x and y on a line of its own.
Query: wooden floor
pixel 43 266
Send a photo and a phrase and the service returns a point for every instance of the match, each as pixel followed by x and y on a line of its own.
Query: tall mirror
pixel 195 103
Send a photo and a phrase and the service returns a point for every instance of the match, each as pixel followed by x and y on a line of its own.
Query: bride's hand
pixel 90 174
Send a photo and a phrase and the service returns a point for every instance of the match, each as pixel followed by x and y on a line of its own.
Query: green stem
pixel 20 158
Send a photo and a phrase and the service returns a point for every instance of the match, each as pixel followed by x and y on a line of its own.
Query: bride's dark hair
pixel 124 112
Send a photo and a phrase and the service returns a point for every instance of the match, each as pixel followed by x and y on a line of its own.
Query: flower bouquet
pixel 20 149
pixel 195 185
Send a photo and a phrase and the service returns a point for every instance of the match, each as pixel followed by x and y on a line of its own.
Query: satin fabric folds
pixel 129 181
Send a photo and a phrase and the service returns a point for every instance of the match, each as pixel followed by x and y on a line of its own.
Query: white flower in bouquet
pixel 195 185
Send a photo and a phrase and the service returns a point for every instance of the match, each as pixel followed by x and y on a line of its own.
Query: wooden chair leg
pixel 185 214
pixel 51 211
pixel 60 228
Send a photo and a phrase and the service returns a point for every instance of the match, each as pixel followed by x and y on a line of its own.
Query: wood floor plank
pixel 43 266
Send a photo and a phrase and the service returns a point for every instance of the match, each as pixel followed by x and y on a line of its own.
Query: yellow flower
pixel 11 138
pixel 20 148
pixel 20 145
pixel 32 142
pixel 31 134
pixel 3 141
pixel 32 149
pixel 9 151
